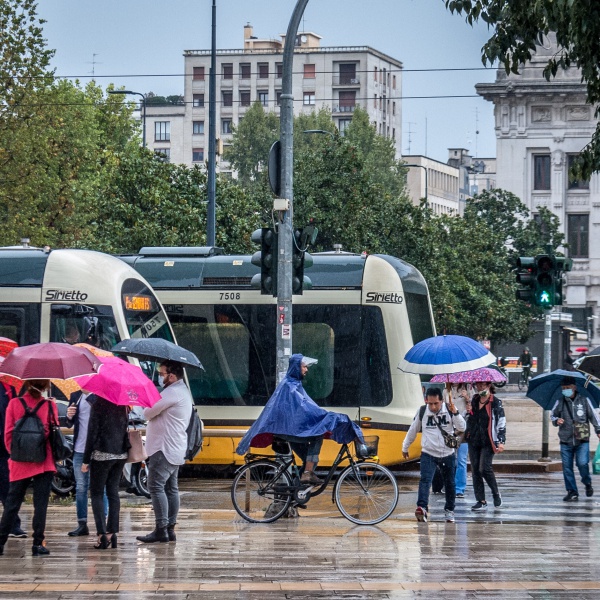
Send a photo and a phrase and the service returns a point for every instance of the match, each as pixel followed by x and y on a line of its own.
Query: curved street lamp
pixel 127 93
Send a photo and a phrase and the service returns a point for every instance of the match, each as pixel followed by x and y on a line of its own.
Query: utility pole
pixel 547 368
pixel 212 135
pixel 285 228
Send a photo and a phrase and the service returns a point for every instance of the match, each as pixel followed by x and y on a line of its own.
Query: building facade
pixel 541 127
pixel 339 78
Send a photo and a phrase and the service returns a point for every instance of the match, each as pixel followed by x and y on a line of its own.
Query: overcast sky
pixel 120 40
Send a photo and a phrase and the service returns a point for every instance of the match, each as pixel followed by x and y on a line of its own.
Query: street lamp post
pixel 426 186
pixel 130 93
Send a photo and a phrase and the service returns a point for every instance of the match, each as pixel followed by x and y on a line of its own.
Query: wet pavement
pixel 534 546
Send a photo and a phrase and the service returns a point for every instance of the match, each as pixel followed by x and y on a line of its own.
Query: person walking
pixel 572 414
pixel 462 401
pixel 435 421
pixel 486 435
pixel 22 473
pixel 166 445
pixel 104 457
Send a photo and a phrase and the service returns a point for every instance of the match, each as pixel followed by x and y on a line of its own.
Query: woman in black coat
pixel 105 456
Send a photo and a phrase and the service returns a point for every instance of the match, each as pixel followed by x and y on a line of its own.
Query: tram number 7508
pixel 230 296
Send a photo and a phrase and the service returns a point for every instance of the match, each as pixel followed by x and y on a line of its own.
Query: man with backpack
pixel 437 422
pixel 167 445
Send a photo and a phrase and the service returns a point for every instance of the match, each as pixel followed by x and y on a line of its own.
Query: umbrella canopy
pixel 590 363
pixel 9 379
pixel 49 360
pixel 446 354
pixel 6 345
pixel 545 389
pixel 582 349
pixel 121 383
pixel 156 349
pixel 483 374
pixel 93 349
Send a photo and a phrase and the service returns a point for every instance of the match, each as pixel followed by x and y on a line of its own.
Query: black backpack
pixel 194 436
pixel 29 436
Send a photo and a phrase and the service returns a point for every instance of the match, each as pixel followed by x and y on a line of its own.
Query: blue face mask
pixel 567 393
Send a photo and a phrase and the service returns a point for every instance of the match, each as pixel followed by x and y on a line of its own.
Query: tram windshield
pixel 90 324
pixel 143 313
pixel 236 345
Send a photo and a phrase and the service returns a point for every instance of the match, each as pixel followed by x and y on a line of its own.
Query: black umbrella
pixel 590 363
pixel 156 349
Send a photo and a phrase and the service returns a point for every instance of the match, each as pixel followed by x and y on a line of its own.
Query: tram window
pixel 21 323
pixel 419 316
pixel 75 323
pixel 143 313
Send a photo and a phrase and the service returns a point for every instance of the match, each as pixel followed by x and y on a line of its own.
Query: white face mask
pixel 483 393
pixel 161 381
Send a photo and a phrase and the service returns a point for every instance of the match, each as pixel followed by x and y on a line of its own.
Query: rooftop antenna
pixel 476 129
pixel 410 132
pixel 425 136
pixel 93 63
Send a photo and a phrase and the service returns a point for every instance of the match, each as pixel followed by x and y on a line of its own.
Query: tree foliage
pixel 520 26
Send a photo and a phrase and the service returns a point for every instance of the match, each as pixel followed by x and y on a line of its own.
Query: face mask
pixel 484 393
pixel 161 381
pixel 567 393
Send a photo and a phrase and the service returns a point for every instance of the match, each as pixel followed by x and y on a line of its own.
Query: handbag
pixel 61 449
pixel 137 450
pixel 450 439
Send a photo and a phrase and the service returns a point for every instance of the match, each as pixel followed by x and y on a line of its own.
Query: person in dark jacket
pixel 572 414
pixel 486 435
pixel 105 456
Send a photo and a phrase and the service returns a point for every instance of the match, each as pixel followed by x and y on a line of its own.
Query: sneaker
pixel 449 516
pixel 480 505
pixel 17 532
pixel 498 501
pixel 589 490
pixel 310 477
pixel 571 496
pixel 459 495
pixel 421 514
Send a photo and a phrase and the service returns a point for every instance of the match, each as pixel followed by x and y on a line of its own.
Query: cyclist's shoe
pixel 421 514
pixel 310 477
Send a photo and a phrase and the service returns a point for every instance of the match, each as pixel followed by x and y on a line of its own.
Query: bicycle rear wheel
pixel 254 492
pixel 366 493
pixel 522 382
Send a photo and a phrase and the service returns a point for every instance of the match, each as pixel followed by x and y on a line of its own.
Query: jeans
pixel 481 467
pixel 4 484
pixel 164 489
pixel 106 474
pixel 447 465
pixel 16 494
pixel 581 454
pixel 307 448
pixel 82 485
pixel 461 468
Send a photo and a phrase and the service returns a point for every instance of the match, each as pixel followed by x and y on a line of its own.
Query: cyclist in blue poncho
pixel 292 415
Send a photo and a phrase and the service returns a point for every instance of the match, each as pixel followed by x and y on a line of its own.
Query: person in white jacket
pixel 430 420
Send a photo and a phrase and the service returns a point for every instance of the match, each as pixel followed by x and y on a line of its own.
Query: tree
pixel 520 26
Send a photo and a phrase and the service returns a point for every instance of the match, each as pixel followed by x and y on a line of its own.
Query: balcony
pixel 344 109
pixel 346 80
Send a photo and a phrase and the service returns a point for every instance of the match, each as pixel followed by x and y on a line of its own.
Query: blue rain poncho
pixel 291 411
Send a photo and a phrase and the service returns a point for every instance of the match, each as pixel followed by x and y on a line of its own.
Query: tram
pixel 361 315
pixel 75 296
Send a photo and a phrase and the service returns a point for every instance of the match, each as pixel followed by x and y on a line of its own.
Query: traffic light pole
pixel 285 225
pixel 547 368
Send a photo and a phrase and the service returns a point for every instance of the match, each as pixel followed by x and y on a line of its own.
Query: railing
pixel 352 80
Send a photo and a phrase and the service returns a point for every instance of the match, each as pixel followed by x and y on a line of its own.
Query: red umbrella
pixel 581 349
pixel 121 383
pixel 50 360
pixel 16 383
pixel 6 345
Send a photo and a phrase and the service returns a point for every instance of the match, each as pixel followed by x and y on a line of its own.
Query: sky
pixel 139 44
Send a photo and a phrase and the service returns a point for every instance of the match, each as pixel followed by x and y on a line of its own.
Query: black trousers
pixel 16 495
pixel 106 474
pixel 481 458
pixel 4 484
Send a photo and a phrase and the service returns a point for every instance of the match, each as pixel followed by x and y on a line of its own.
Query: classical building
pixel 541 126
pixel 339 78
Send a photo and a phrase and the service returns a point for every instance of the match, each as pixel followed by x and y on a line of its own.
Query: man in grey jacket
pixel 572 414
pixel 430 420
pixel 166 444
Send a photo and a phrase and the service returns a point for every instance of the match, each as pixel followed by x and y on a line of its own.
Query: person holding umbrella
pixel 486 435
pixel 572 413
pixel 22 473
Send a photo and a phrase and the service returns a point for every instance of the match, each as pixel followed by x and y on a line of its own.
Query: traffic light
pixel 561 265
pixel 266 259
pixel 298 262
pixel 526 276
pixel 544 282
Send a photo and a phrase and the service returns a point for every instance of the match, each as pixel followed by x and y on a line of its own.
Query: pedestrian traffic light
pixel 526 275
pixel 544 294
pixel 266 259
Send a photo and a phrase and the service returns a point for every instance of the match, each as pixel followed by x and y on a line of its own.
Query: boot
pixel 158 535
pixel 171 533
pixel 82 529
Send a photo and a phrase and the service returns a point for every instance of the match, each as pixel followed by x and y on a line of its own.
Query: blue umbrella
pixel 446 354
pixel 545 389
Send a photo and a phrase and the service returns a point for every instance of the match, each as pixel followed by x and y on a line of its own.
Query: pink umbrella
pixel 482 374
pixel 121 383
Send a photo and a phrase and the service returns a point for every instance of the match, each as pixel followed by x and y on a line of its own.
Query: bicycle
pixel 264 488
pixel 524 378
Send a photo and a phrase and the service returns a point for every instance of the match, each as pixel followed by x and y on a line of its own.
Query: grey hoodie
pixel 579 409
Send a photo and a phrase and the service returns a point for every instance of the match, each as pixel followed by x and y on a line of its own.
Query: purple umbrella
pixel 482 374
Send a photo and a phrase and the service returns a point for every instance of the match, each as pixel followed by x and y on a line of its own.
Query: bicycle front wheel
pixel 260 491
pixel 522 383
pixel 366 493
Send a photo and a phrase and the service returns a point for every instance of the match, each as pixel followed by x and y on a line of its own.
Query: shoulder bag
pixel 137 451
pixel 61 449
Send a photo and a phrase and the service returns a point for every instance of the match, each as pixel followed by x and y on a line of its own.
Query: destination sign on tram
pixel 138 302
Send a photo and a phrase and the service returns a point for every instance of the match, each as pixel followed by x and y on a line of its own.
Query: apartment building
pixel 340 78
